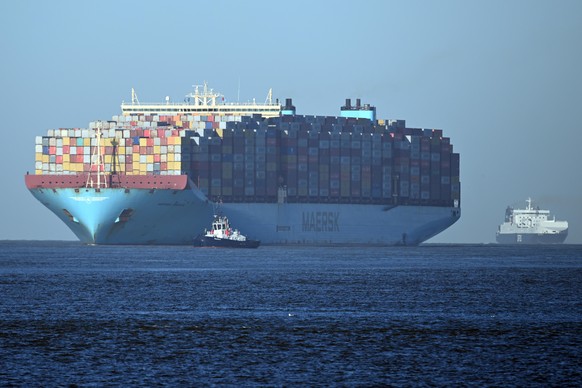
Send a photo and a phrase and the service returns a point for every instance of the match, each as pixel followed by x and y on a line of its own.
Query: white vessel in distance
pixel 531 226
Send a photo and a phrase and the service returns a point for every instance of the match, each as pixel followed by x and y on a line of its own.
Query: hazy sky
pixel 503 79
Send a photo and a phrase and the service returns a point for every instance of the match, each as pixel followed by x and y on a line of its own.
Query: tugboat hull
pixel 226 243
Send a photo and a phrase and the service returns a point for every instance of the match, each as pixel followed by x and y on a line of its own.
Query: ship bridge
pixel 203 101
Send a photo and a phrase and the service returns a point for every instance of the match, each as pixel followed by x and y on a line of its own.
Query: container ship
pixel 158 173
pixel 531 226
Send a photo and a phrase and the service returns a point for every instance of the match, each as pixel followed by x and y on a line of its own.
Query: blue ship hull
pixel 133 216
pixel 176 217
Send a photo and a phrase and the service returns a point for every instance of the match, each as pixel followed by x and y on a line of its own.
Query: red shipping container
pixel 164 166
pixel 150 142
pixel 52 150
pixel 156 158
pixel 59 159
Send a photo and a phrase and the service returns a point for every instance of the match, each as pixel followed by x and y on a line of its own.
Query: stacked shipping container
pixel 248 159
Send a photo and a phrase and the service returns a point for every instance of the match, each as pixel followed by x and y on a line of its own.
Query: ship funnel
pixel 288 109
pixel 358 112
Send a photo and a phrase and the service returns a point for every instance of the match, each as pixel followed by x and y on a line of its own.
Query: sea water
pixel 440 315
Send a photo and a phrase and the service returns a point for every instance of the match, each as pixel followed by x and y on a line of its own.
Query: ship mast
pixel 207 98
pixel 114 164
pixel 97 163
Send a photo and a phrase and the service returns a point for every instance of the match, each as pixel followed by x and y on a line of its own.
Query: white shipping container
pixel 177 157
pixel 78 133
pixel 126 134
pixel 87 159
pixel 38 140
pixel 52 142
pixel 157 141
pixel 163 158
pixel 60 151
pixel 143 159
pixel 84 133
pixel 50 133
pixel 38 165
pixel 73 150
pixel 38 148
pixel 150 167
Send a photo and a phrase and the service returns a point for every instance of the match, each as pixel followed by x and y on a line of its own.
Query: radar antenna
pixel 206 98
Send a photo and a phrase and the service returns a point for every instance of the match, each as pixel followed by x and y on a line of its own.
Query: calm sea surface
pixel 432 315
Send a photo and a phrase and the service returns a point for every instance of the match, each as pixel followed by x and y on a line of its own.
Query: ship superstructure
pixel 153 174
pixel 531 226
pixel 203 101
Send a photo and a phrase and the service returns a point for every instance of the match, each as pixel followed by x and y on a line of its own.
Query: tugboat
pixel 221 235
